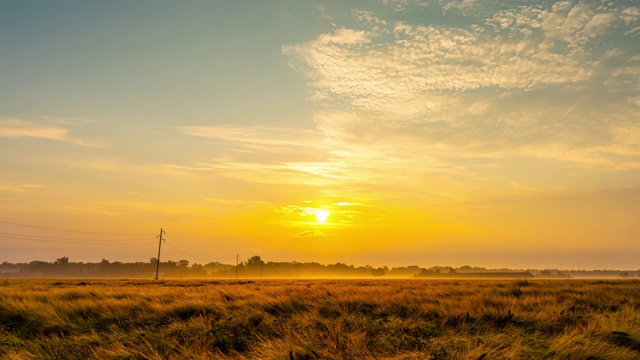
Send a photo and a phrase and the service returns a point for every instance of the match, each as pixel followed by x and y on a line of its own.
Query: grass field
pixel 320 319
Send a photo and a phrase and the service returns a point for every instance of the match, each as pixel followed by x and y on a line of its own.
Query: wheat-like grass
pixel 320 319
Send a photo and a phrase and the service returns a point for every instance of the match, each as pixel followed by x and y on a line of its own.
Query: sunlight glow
pixel 322 215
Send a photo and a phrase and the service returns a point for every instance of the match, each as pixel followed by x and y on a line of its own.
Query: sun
pixel 322 215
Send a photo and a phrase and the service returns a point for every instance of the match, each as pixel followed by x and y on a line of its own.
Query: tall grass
pixel 347 319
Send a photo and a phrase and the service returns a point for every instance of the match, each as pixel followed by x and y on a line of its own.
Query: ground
pixel 320 319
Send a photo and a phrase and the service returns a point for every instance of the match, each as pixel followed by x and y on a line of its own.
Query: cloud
pixel 514 49
pixel 239 202
pixel 630 15
pixel 348 204
pixel 298 211
pixel 18 128
pixel 369 17
pixel 309 233
pixel 12 187
pixel 253 137
pixel 274 155
pixel 303 157
pixel 460 5
pixel 524 80
pixel 453 104
pixel 183 211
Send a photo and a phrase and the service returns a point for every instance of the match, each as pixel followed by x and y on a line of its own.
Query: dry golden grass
pixel 320 319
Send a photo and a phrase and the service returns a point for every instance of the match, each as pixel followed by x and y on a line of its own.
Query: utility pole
pixel 158 259
pixel 237 259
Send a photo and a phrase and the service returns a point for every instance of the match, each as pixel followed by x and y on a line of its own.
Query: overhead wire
pixel 69 239
pixel 186 253
pixel 74 242
pixel 85 241
pixel 189 248
pixel 72 231
pixel 183 245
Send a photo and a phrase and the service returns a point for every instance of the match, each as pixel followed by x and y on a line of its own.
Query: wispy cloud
pixel 251 137
pixel 309 233
pixel 302 157
pixel 12 187
pixel 19 128
pixel 515 81
pixel 454 105
pixel 267 155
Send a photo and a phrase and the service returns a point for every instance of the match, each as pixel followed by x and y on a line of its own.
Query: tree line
pixel 256 268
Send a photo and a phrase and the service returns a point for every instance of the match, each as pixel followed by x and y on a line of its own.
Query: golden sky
pixel 385 133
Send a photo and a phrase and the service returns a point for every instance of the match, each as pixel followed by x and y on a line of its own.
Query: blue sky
pixel 160 60
pixel 509 130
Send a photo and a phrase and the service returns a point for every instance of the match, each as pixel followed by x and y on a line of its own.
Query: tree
pixel 62 261
pixel 546 273
pixel 254 266
pixel 425 273
pixel 255 261
pixel 377 272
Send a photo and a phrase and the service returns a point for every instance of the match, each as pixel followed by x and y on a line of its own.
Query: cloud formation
pixel 266 155
pixel 454 104
pixel 18 128
pixel 530 80
pixel 12 187
pixel 309 233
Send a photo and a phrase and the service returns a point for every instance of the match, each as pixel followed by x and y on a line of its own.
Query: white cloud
pixel 359 65
pixel 252 136
pixel 369 17
pixel 402 104
pixel 266 155
pixel 523 82
pixel 630 15
pixel 303 157
pixel 461 5
pixel 18 128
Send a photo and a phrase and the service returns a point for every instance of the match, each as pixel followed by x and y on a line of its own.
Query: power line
pixel 186 253
pixel 76 241
pixel 68 239
pixel 70 242
pixel 188 248
pixel 67 230
pixel 182 244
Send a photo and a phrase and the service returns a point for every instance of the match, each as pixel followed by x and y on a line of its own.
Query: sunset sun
pixel 322 215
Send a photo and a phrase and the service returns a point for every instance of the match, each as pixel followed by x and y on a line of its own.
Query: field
pixel 320 319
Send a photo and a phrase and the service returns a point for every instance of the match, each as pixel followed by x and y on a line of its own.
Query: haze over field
pixel 382 133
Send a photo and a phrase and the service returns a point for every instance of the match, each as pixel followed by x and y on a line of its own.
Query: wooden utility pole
pixel 159 245
pixel 237 259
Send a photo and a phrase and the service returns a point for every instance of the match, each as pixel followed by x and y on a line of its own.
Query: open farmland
pixel 320 319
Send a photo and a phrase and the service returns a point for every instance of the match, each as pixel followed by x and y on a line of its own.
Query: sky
pixel 393 132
